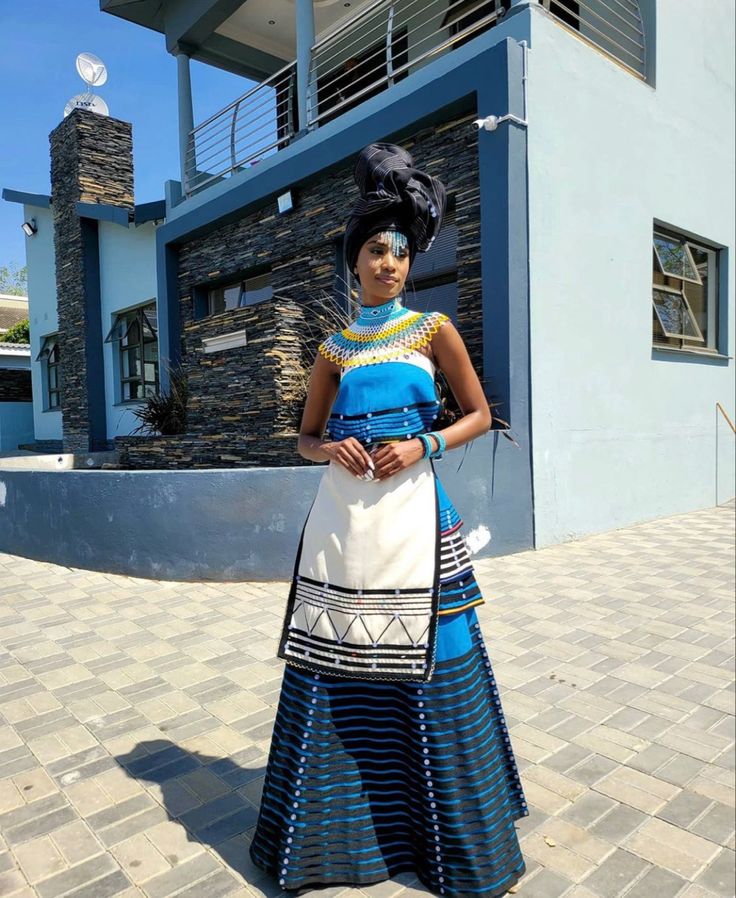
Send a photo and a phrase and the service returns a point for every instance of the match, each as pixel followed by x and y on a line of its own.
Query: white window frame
pixel 710 344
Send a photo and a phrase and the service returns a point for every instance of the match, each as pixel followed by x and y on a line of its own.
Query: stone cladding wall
pixel 91 162
pixel 244 405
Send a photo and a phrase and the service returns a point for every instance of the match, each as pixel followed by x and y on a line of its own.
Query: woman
pixel 390 753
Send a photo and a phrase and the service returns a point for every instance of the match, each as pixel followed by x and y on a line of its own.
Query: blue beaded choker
pixel 382 312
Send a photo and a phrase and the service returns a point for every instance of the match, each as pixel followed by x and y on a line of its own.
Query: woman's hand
pixel 351 454
pixel 394 457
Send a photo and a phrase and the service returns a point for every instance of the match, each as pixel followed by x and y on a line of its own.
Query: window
pixel 246 291
pixel 49 358
pixel 684 293
pixel 432 282
pixel 136 334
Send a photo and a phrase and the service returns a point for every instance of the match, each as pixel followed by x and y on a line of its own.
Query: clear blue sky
pixel 38 76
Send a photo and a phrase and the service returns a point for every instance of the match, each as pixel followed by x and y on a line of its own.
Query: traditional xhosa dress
pixel 390 752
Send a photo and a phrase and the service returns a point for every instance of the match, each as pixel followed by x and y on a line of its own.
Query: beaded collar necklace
pixel 381 333
pixel 385 311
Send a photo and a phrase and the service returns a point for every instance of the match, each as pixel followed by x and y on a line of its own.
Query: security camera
pixel 489 123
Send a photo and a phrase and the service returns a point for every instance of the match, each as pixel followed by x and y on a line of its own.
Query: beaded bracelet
pixel 426 443
pixel 441 443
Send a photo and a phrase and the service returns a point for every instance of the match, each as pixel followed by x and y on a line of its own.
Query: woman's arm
pixel 452 358
pixel 323 385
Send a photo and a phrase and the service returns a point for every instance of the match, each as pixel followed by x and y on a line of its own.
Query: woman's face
pixel 382 266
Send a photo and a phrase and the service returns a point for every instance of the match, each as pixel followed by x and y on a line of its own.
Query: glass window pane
pixel 697 294
pixel 131 362
pixel 232 296
pixel 216 302
pixel 674 315
pixel 133 335
pixel 257 289
pixel 150 351
pixel 441 298
pixel 150 318
pixel 53 376
pixel 674 258
pixel 132 389
pixel 440 258
pixel 221 299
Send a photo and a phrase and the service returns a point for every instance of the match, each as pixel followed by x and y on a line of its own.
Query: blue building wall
pixel 42 316
pixel 127 279
pixel 623 432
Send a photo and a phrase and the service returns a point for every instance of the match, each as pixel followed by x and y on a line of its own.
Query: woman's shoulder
pixel 434 319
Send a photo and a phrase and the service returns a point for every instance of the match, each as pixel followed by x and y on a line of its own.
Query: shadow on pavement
pixel 215 784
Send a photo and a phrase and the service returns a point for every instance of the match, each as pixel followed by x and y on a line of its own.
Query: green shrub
pixel 19 333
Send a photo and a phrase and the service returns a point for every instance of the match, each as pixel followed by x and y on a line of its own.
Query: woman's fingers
pixel 367 457
pixel 385 460
pixel 351 461
pixel 388 461
pixel 357 459
pixel 365 462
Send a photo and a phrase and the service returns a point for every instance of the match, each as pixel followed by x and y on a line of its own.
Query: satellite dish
pixel 91 69
pixel 87 101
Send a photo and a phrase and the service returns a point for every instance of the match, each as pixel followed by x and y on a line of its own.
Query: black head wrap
pixel 393 196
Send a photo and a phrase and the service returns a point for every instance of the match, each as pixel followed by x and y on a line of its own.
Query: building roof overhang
pixel 143 212
pixel 192 28
pixel 40 200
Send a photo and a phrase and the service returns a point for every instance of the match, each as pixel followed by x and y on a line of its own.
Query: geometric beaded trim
pixel 366 343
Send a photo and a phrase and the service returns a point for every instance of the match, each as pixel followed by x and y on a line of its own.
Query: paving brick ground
pixel 135 719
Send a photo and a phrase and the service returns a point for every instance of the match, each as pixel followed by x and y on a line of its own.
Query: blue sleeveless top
pixel 387 388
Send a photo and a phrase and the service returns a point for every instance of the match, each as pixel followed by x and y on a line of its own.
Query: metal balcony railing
pixel 380 45
pixel 255 125
pixel 384 43
pixel 613 26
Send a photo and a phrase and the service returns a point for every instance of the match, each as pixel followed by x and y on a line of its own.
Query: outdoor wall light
pixel 30 227
pixel 286 202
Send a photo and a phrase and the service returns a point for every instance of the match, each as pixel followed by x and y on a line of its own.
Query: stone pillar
pixel 91 162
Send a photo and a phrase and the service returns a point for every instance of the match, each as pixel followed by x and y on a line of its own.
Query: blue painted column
pixel 304 42
pixel 169 331
pixel 502 156
pixel 186 114
pixel 502 164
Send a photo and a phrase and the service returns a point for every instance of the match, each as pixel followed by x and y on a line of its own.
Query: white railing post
pixel 389 45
